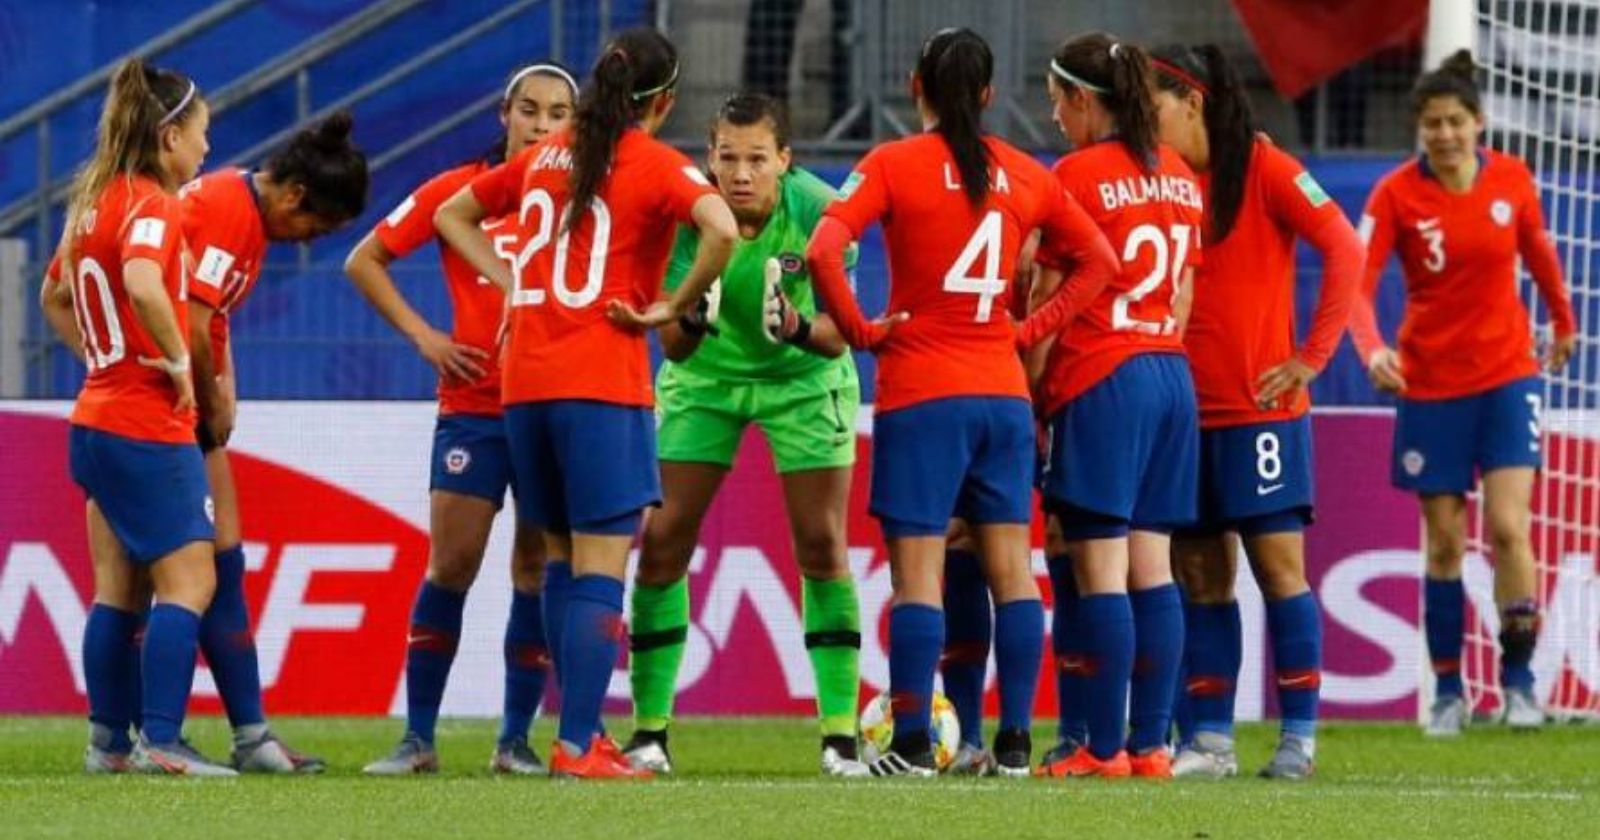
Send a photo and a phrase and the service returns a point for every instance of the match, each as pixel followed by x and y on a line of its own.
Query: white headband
pixel 646 94
pixel 550 69
pixel 182 104
pixel 1067 75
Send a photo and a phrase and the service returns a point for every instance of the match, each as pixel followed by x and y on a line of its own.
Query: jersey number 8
pixel 589 292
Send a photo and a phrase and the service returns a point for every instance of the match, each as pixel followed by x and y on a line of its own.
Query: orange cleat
pixel 1083 763
pixel 600 762
pixel 1155 764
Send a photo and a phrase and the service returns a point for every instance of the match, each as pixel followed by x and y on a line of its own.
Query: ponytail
pixel 1118 74
pixel 636 67
pixel 1230 123
pixel 955 68
pixel 330 167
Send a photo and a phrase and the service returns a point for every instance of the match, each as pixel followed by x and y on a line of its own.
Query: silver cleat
pixel 269 754
pixel 835 763
pixel 973 760
pixel 176 759
pixel 648 754
pixel 1522 711
pixel 1447 718
pixel 1292 761
pixel 516 758
pixel 411 756
pixel 98 756
pixel 1209 756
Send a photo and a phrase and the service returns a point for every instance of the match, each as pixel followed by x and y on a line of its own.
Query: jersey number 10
pixel 540 201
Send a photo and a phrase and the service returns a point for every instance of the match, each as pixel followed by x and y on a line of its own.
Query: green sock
pixel 833 641
pixel 659 622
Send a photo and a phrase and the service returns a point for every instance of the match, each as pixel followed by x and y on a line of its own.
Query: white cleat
pixel 269 754
pixel 893 764
pixel 643 754
pixel 176 759
pixel 835 763
pixel 1209 756
pixel 1522 711
pixel 1447 718
pixel 411 756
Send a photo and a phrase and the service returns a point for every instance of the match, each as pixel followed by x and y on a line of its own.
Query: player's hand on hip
pixel 1283 380
pixel 624 315
pixel 1383 368
pixel 1560 351
pixel 451 360
pixel 182 381
pixel 882 327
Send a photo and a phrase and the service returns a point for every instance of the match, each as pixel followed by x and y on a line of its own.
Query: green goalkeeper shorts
pixel 809 421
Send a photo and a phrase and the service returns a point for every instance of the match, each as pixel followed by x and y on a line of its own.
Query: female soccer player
pixel 1466 374
pixel 792 378
pixel 132 446
pixel 598 209
pixel 471 461
pixel 1255 425
pixel 954 434
pixel 1121 471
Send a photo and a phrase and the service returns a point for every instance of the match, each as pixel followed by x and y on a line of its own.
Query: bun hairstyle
pixel 1230 123
pixel 1118 74
pixel 140 102
pixel 1456 77
pixel 332 169
pixel 638 66
pixel 955 68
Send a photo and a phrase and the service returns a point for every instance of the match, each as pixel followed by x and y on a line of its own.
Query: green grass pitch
pixel 757 778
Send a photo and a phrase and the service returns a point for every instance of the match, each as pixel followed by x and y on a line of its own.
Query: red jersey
pixel 1153 220
pixel 561 345
pixel 476 304
pixel 227 242
pixel 1465 329
pixel 950 263
pixel 1242 323
pixel 133 219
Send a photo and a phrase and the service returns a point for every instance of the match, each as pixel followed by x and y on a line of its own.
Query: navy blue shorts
pixel 959 456
pixel 1125 453
pixel 1256 478
pixel 1438 444
pixel 154 495
pixel 583 466
pixel 471 457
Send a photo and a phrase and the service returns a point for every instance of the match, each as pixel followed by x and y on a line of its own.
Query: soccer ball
pixel 877 729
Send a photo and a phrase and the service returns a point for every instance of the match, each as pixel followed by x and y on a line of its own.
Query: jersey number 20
pixel 540 201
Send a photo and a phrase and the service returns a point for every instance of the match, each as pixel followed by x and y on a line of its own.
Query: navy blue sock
pixel 110 671
pixel 1158 646
pixel 916 635
pixel 527 663
pixel 1213 654
pixel 1519 636
pixel 557 584
pixel 1068 645
pixel 1018 647
pixel 1107 622
pixel 967 631
pixel 170 645
pixel 1295 625
pixel 228 644
pixel 590 644
pixel 136 668
pixel 1444 613
pixel 430 650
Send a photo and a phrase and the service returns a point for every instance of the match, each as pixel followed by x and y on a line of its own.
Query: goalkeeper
pixel 756 352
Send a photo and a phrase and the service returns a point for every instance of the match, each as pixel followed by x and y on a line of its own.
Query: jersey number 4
pixel 1171 251
pixel 987 284
pixel 541 202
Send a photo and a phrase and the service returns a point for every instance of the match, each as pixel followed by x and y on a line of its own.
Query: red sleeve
pixel 680 184
pixel 1377 232
pixel 1298 202
pixel 409 225
pixel 499 190
pixel 1069 238
pixel 52 274
pixel 153 232
pixel 864 197
pixel 1539 255
pixel 215 235
pixel 825 255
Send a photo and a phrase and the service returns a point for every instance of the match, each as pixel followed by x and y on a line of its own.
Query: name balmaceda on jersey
pixel 1148 189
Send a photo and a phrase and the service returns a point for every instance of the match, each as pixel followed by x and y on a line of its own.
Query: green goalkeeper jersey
pixel 740 350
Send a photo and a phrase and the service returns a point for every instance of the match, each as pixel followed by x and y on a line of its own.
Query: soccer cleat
pixel 647 750
pixel 1292 761
pixel 1522 710
pixel 1063 750
pixel 1153 764
pixel 1013 753
pixel 269 754
pixel 916 765
pixel 971 760
pixel 176 759
pixel 600 762
pixel 99 757
pixel 1083 763
pixel 411 756
pixel 1447 717
pixel 1208 756
pixel 839 758
pixel 516 758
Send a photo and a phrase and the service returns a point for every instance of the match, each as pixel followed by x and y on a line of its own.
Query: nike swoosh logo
pixel 1296 682
pixel 1268 489
pixel 423 637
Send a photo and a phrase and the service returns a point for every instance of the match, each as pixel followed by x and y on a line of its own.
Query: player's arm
pixel 1183 300
pixel 1068 237
pixel 1539 255
pixel 211 397
pixel 55 298
pixel 1377 233
pixel 141 277
pixel 717 231
pixel 459 222
pixel 367 266
pixel 680 338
